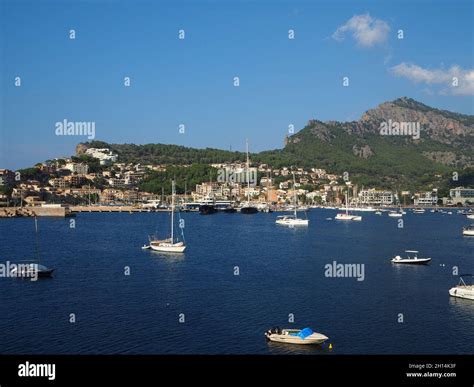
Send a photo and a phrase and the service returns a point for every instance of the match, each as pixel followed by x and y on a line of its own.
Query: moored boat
pixel 295 336
pixel 411 259
pixel 463 290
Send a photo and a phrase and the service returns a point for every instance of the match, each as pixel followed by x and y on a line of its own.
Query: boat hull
pixel 314 339
pixel 292 223
pixel 248 210
pixel 462 292
pixel 169 248
pixel 419 261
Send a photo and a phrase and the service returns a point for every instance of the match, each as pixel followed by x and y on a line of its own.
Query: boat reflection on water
pixel 168 255
pixel 283 348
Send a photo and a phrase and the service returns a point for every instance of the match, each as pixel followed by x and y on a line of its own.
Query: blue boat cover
pixel 305 333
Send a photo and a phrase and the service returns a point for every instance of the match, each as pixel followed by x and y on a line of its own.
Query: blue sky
pixel 190 81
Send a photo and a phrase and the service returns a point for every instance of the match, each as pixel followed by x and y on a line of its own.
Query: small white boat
pixel 468 231
pixel 470 216
pixel 348 217
pixel 295 336
pixel 414 260
pixel 146 247
pixel 291 220
pixel 378 212
pixel 395 214
pixel 462 290
pixel 418 210
pixel 169 245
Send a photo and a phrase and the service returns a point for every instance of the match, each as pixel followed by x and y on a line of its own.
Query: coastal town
pixel 71 182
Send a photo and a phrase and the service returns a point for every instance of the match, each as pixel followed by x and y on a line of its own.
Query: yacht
pixel 462 290
pixel 292 220
pixel 295 336
pixel 411 259
pixel 33 268
pixel 346 216
pixel 468 230
pixel 171 244
pixel 247 208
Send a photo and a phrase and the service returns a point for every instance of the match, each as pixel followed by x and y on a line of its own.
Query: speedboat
pixel 462 290
pixel 295 336
pixel 468 231
pixel 395 214
pixel 291 220
pixel 411 259
pixel 470 216
pixel 378 212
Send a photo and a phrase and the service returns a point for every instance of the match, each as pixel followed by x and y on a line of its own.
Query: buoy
pixel 330 346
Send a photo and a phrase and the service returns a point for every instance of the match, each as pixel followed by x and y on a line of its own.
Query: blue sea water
pixel 281 275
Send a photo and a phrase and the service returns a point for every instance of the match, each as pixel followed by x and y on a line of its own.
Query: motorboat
pixel 169 245
pixel 418 210
pixel 462 290
pixel 295 336
pixel 470 216
pixel 395 214
pixel 207 209
pixel 412 258
pixel 468 230
pixel 378 212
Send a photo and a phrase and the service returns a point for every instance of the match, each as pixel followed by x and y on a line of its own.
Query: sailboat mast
pixel 294 193
pixel 172 211
pixel 36 240
pixel 248 172
pixel 347 199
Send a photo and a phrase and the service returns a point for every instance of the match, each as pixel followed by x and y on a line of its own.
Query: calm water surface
pixel 281 273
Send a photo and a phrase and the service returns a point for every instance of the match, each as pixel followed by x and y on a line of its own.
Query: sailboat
pixel 33 268
pixel 247 208
pixel 345 215
pixel 292 220
pixel 169 245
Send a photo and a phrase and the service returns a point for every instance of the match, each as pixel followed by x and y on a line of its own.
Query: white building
pixel 375 197
pixel 427 198
pixel 461 195
pixel 79 168
pixel 105 155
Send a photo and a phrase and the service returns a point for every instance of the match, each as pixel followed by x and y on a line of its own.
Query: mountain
pixel 440 143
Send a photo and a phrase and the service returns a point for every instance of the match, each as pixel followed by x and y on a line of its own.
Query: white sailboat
pixel 247 208
pixel 345 215
pixel 292 220
pixel 169 245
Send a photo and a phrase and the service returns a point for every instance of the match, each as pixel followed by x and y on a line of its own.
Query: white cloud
pixel 366 31
pixel 447 77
